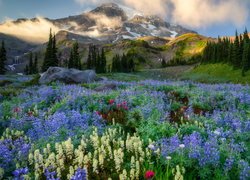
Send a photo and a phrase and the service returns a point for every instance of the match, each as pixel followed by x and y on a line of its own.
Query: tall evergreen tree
pixel 89 60
pixel 50 58
pixel 103 61
pixel 36 65
pixel 163 63
pixel 131 65
pixel 3 58
pixel 71 60
pixel 31 63
pixel 245 58
pixel 48 54
pixel 55 61
pixel 76 57
pixel 236 52
pixel 124 63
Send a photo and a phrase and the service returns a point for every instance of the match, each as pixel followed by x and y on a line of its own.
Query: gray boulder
pixel 106 87
pixel 67 75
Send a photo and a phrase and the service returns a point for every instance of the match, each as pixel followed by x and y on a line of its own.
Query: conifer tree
pixel 3 58
pixel 71 60
pixel 31 63
pixel 36 65
pixel 89 60
pixel 131 65
pixel 48 54
pixel 163 63
pixel 103 61
pixel 124 64
pixel 76 57
pixel 50 58
pixel 236 52
pixel 245 58
pixel 55 61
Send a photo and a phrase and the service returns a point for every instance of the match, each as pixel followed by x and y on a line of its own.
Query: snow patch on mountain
pixel 133 33
pixel 130 11
pixel 174 34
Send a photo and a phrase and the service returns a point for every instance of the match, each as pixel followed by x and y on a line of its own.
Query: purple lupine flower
pixel 50 174
pixel 245 170
pixel 228 165
pixel 18 173
pixel 80 174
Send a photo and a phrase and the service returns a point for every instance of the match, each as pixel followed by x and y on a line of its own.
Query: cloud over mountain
pixel 35 30
pixel 192 13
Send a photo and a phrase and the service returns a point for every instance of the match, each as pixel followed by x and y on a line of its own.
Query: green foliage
pixel 235 53
pixel 50 58
pixel 216 73
pixel 74 59
pixel 123 64
pixel 33 82
pixel 3 58
pixel 5 82
pixel 97 60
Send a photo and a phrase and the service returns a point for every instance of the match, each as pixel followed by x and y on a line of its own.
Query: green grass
pixel 216 73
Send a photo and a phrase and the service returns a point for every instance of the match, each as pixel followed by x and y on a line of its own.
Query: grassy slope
pixel 216 73
pixel 173 73
pixel 188 45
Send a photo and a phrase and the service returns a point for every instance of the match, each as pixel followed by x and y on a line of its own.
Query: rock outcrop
pixel 67 76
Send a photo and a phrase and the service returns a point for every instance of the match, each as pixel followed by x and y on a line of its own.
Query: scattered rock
pixel 67 76
pixel 106 87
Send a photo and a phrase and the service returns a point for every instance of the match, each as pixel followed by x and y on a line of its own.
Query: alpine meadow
pixel 125 90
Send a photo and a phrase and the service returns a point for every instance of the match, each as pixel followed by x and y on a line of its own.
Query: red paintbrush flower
pixel 111 101
pixel 149 174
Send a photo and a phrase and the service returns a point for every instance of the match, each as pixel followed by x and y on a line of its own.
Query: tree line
pixel 124 63
pixel 3 58
pixel 235 53
pixel 32 67
pixel 96 59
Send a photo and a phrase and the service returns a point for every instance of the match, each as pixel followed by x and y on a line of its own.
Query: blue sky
pixel 62 8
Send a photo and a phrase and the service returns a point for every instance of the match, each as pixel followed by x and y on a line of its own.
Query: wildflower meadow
pixel 149 130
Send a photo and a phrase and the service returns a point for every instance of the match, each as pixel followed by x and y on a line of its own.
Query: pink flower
pixel 149 174
pixel 111 101
pixel 97 112
pixel 30 113
pixel 17 110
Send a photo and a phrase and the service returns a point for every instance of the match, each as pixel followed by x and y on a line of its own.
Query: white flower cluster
pixel 97 154
pixel 178 173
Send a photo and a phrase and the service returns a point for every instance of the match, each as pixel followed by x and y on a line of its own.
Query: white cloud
pixel 192 13
pixel 202 13
pixel 31 31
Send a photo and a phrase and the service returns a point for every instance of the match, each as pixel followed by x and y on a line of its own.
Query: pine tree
pixel 245 36
pixel 55 61
pixel 94 57
pixel 50 58
pixel 76 57
pixel 31 63
pixel 26 70
pixel 124 64
pixel 89 60
pixel 98 63
pixel 3 58
pixel 71 60
pixel 245 58
pixel 36 65
pixel 163 63
pixel 236 52
pixel 103 61
pixel 48 54
pixel 131 65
